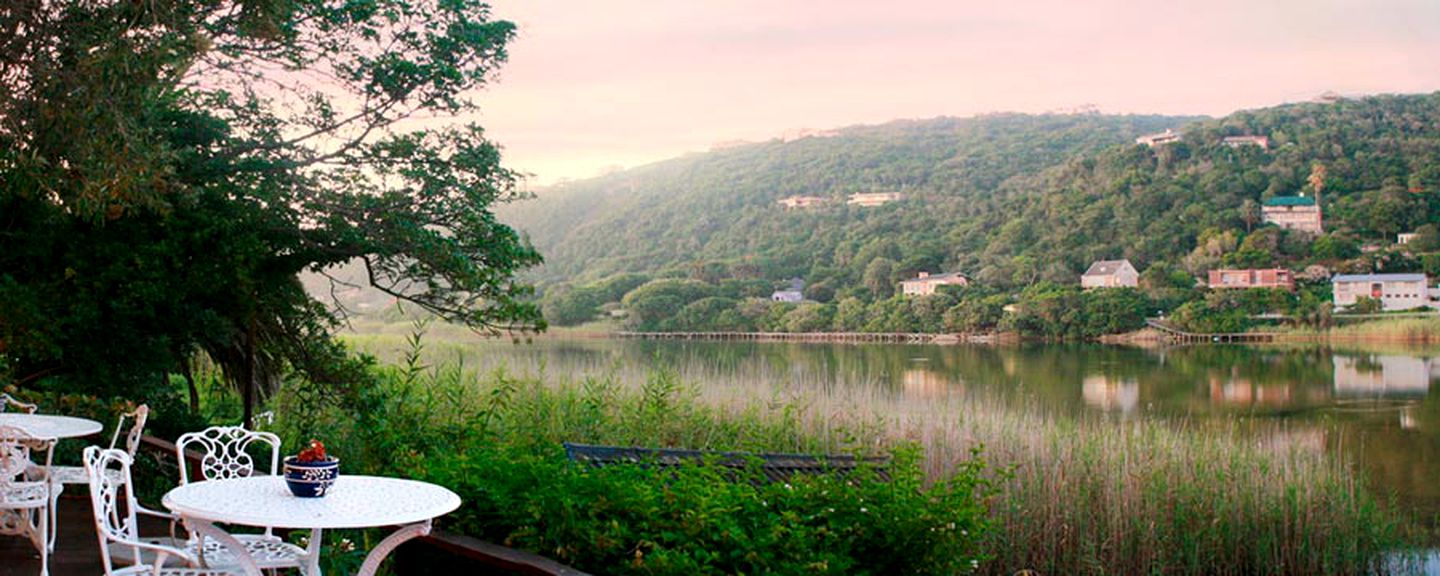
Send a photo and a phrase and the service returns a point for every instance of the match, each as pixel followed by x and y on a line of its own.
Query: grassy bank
pixel 1409 330
pixel 1069 495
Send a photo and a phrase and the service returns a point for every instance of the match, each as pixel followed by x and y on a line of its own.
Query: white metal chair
pixel 117 529
pixel 7 401
pixel 25 490
pixel 137 417
pixel 225 453
pixel 61 475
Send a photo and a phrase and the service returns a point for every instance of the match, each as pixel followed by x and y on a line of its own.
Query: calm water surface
pixel 1374 407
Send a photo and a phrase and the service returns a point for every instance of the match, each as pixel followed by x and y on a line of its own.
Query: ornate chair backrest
pixel 225 452
pixel 113 523
pixel 137 417
pixel 7 401
pixel 15 447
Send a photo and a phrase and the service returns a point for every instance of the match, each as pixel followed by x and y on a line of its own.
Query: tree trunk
pixel 190 384
pixel 247 380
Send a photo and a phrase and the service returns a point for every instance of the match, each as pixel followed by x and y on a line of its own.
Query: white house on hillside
pixel 795 292
pixel 872 199
pixel 1153 140
pixel 925 284
pixel 1110 274
pixel 1394 291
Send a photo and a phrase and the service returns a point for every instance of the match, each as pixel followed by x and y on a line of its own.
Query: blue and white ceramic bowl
pixel 311 479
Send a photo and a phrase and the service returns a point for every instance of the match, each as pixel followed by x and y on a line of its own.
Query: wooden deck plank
pixel 77 551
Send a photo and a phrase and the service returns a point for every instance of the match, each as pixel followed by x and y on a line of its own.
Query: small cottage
pixel 1110 274
pixel 1253 278
pixel 925 284
pixel 794 292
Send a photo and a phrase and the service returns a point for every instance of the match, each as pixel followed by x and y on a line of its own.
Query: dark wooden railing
pixel 437 553
pixel 772 467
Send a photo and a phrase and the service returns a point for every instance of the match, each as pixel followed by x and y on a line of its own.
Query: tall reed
pixel 1077 495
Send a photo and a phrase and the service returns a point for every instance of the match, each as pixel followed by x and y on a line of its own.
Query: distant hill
pixel 1019 203
pixel 1011 198
pixel 721 206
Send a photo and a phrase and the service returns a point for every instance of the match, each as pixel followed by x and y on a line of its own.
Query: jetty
pixel 856 337
pixel 1177 336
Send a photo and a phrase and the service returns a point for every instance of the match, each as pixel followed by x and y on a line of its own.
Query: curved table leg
pixel 312 553
pixel 203 529
pixel 388 545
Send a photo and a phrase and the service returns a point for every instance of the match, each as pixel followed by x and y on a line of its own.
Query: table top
pixel 353 502
pixel 51 427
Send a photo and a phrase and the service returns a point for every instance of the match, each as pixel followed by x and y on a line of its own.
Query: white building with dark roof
pixel 1110 274
pixel 925 283
pixel 1152 140
pixel 794 292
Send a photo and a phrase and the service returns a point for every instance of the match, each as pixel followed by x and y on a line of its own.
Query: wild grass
pixel 1414 331
pixel 1075 495
pixel 1418 330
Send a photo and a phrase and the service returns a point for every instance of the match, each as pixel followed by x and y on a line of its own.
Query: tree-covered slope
pixel 1381 163
pixel 1013 201
pixel 721 206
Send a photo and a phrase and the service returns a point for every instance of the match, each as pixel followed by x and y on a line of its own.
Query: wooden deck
pixel 77 551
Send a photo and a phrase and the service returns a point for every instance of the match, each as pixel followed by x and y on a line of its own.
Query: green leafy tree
pixel 1366 305
pixel 809 317
pixel 1427 239
pixel 976 315
pixel 168 168
pixel 649 306
pixel 1334 246
pixel 880 277
pixel 850 316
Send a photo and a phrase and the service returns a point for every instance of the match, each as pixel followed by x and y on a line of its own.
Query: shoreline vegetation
pixel 1059 494
pixel 1403 330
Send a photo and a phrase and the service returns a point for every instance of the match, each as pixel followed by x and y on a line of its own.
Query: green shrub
pixel 699 519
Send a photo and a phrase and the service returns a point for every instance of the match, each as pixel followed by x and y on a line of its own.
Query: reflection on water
pixel 1409 418
pixel 1382 377
pixel 924 383
pixel 1374 407
pixel 1239 391
pixel 1110 394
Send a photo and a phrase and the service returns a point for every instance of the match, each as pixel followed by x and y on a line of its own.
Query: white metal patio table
pixel 46 427
pixel 353 502
pixel 51 427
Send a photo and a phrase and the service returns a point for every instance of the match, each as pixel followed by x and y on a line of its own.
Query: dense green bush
pixel 698 519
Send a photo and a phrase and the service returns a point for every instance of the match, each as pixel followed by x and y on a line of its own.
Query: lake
pixel 1372 407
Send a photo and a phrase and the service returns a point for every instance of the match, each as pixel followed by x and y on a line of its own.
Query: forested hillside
pixel 1022 204
pixel 721 206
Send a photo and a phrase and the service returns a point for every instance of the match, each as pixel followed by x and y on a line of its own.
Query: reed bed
pixel 1414 330
pixel 1074 495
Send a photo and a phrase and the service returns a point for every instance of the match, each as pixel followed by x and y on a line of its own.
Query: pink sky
pixel 593 84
